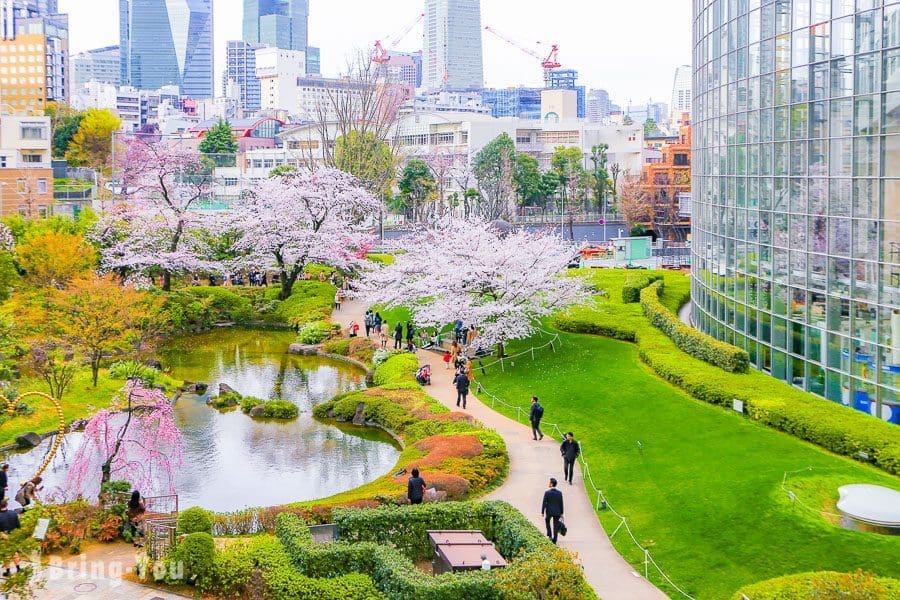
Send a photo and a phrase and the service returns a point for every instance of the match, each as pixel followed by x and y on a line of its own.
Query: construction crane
pixel 380 54
pixel 548 63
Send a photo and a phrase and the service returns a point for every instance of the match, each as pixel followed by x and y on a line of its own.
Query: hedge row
pixel 634 283
pixel 767 400
pixel 822 584
pixel 697 344
pixel 383 542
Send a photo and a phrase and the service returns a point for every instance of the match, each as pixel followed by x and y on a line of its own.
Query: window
pixel 21 186
pixel 231 181
pixel 2 162
pixel 42 186
pixel 42 212
pixel 31 132
pixel 681 160
pixel 31 158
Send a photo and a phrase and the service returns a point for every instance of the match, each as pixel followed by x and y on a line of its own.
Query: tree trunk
pixel 166 281
pixel 95 366
pixel 287 282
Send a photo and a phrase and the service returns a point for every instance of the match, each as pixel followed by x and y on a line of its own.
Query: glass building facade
pixel 796 191
pixel 167 42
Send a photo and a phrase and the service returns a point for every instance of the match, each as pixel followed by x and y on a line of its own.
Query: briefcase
pixel 562 528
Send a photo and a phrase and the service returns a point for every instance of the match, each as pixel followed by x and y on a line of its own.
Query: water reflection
pixel 232 461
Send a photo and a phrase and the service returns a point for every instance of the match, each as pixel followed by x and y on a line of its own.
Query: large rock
pixel 153 364
pixel 257 411
pixel 304 349
pixel 360 418
pixel 28 440
pixel 199 388
pixel 224 388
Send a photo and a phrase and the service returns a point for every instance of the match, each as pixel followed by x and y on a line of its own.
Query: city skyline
pixel 646 73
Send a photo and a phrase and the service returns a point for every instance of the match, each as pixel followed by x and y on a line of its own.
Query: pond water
pixel 232 461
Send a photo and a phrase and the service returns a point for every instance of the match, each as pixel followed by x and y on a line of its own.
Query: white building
pixel 278 72
pixel 452 52
pixel 681 94
pixel 99 64
pixel 94 94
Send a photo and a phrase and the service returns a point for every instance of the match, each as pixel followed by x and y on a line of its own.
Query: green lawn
pixel 704 494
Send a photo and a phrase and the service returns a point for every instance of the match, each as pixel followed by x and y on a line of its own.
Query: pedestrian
pixel 454 352
pixel 570 449
pixel 461 381
pixel 338 298
pixel 446 360
pixel 9 522
pixel 398 336
pixel 353 329
pixel 552 509
pixel 376 322
pixel 135 513
pixel 424 342
pixel 535 416
pixel 4 480
pixel 369 321
pixel 457 331
pixel 485 563
pixel 410 333
pixel 470 372
pixel 27 494
pixel 473 333
pixel 384 334
pixel 415 488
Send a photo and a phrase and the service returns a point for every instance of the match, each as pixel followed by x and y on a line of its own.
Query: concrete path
pixel 60 583
pixel 685 314
pixel 531 464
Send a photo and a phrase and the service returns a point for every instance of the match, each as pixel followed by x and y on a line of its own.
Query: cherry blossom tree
pixel 291 220
pixel 138 442
pixel 156 226
pixel 498 279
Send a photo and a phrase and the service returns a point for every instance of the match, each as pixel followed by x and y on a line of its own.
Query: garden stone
pixel 303 349
pixel 360 418
pixel 28 440
pixel 199 388
pixel 153 364
pixel 224 388
pixel 257 411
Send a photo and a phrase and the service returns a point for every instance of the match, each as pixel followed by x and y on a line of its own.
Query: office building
pixel 452 52
pixel 796 192
pixel 639 113
pixel 280 23
pixel 279 72
pixel 597 106
pixel 240 72
pixel 521 102
pixel 681 95
pixel 567 79
pixel 167 42
pixel 34 54
pixel 26 177
pixel 100 64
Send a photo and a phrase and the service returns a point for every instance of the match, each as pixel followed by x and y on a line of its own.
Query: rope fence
pixel 601 502
pixel 794 497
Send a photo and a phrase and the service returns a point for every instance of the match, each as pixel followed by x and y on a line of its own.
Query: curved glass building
pixel 796 191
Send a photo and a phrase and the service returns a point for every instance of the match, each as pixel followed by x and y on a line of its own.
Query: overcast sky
pixel 630 48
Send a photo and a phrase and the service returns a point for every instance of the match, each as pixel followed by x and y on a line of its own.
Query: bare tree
pixel 615 170
pixel 634 202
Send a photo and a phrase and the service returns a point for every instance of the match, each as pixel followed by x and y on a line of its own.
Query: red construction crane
pixel 548 63
pixel 380 54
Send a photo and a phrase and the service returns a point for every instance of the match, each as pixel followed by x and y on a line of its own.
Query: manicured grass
pixel 703 493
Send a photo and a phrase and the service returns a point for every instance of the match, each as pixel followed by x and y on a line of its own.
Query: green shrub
pixel 823 585
pixel 398 368
pixel 194 520
pixel 310 301
pixel 272 409
pixel 314 332
pixel 634 283
pixel 697 344
pixel 203 307
pixel 382 259
pixel 226 400
pixel 340 346
pixel 197 553
pixel 223 303
pixel 132 369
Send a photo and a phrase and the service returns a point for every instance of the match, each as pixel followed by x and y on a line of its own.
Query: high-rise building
pixel 597 106
pixel 240 71
pixel 279 72
pixel 796 192
pixel 567 79
pixel 521 102
pixel 167 42
pixel 100 64
pixel 681 94
pixel 452 45
pixel 658 111
pixel 280 23
pixel 34 45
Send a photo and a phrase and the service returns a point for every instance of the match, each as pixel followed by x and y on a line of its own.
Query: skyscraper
pixel 100 64
pixel 796 192
pixel 681 93
pixel 32 32
pixel 597 106
pixel 452 45
pixel 279 23
pixel 240 71
pixel 167 42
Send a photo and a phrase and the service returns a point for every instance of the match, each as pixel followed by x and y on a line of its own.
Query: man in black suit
pixel 552 508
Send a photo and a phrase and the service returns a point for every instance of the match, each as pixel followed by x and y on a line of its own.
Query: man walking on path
pixel 369 321
pixel 415 489
pixel 570 449
pixel 552 509
pixel 461 381
pixel 535 416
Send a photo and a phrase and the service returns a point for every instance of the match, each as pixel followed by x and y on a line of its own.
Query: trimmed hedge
pixel 699 345
pixel 382 542
pixel 822 584
pixel 634 283
pixel 767 400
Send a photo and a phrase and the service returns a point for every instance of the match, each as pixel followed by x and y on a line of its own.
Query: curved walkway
pixel 531 464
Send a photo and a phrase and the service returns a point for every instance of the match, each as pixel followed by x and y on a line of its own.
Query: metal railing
pixel 159 536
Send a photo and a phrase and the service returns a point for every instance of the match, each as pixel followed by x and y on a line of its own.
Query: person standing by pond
pixel 4 480
pixel 27 494
pixel 570 449
pixel 552 509
pixel 135 514
pixel 535 416
pixel 415 488
pixel 398 336
pixel 9 522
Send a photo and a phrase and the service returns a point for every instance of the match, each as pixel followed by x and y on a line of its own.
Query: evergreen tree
pixel 219 144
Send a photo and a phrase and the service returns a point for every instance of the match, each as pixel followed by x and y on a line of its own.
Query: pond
pixel 232 461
